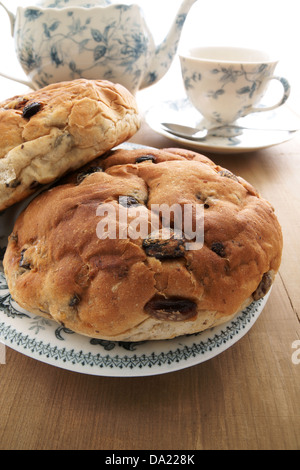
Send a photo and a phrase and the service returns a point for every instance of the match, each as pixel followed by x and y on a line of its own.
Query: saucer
pixel 264 135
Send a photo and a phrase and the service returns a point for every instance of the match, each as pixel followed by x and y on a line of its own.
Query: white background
pixel 266 24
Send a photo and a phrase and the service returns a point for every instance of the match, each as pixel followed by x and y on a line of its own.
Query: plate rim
pixel 217 340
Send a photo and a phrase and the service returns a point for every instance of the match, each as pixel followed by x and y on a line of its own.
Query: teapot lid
pixel 72 3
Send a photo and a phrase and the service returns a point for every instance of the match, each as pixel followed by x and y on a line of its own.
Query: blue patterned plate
pixel 47 341
pixel 53 344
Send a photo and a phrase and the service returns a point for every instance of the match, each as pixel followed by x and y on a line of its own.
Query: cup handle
pixel 24 82
pixel 286 94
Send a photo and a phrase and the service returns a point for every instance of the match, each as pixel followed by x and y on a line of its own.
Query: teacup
pixel 226 83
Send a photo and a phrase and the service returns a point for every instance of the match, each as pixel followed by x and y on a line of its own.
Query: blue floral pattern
pixel 233 79
pixel 229 75
pixel 72 3
pixel 117 47
pixel 44 340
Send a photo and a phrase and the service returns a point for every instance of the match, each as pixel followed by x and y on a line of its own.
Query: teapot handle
pixel 24 82
pixel 11 16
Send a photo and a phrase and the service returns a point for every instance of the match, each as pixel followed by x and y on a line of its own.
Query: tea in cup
pixel 226 83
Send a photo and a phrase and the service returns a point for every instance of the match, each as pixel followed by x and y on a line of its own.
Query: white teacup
pixel 226 83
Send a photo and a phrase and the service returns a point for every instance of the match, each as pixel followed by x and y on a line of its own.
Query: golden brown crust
pixel 59 128
pixel 134 290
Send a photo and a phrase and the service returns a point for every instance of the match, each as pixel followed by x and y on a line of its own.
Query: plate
pixel 182 112
pixel 49 342
pixel 53 344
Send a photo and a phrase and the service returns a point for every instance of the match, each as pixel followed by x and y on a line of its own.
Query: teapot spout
pixel 165 52
pixel 11 16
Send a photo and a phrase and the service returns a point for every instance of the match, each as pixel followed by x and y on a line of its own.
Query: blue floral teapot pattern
pixel 62 40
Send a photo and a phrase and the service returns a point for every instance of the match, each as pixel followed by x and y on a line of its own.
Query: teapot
pixel 59 40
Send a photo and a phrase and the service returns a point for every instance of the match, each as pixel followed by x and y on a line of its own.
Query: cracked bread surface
pixel 143 289
pixel 59 128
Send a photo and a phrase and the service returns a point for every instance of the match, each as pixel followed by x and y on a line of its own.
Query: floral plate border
pixel 48 342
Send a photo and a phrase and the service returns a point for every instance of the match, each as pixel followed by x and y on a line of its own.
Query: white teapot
pixel 67 39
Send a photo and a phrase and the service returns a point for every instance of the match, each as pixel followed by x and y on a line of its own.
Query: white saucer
pixel 182 112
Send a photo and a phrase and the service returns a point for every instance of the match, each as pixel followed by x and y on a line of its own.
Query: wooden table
pixel 245 398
